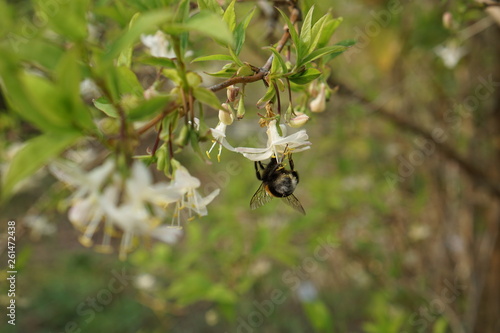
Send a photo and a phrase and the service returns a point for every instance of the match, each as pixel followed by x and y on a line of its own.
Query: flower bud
pixel 319 103
pixel 299 120
pixel 232 92
pixel 226 117
pixel 447 20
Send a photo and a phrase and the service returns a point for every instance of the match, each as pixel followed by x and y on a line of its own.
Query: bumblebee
pixel 276 182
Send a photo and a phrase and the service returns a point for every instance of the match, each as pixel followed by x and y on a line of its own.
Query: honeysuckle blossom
pixel 87 202
pixel 191 200
pixel 450 53
pixel 159 46
pixel 276 144
pixel 219 132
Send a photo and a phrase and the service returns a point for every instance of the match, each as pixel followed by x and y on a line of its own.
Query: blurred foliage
pixel 381 257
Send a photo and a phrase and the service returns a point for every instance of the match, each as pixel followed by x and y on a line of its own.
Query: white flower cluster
pixel 134 205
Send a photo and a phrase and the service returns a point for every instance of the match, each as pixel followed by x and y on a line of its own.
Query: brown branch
pixel 474 172
pixel 294 17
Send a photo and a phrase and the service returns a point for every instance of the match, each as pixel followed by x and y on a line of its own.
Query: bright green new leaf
pixel 294 35
pixel 211 5
pixel 148 108
pixel 223 57
pixel 144 23
pixel 36 153
pixel 277 59
pixel 67 18
pixel 305 77
pixel 125 57
pixel 321 53
pixel 156 61
pixel 270 93
pixel 207 97
pixel 305 33
pixel 317 30
pixel 211 25
pixel 105 106
pixel 240 32
pixel 230 16
pixel 327 30
pixel 319 316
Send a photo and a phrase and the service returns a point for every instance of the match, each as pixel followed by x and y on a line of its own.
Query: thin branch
pixel 478 175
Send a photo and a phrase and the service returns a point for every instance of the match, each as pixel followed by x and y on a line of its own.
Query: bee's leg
pixel 291 161
pixel 257 171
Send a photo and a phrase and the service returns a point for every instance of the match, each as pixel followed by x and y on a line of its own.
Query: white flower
pixel 450 53
pixel 219 132
pixel 158 45
pixel 39 225
pixel 192 199
pixel 89 90
pixel 276 144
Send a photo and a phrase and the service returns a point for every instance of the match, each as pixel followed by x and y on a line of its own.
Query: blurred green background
pixel 401 190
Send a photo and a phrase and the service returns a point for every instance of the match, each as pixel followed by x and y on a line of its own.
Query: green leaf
pixel 207 97
pixel 317 32
pixel 305 33
pixel 67 18
pixel 157 61
pixel 270 93
pixel 105 106
pixel 278 58
pixel 222 57
pixel 149 107
pixel 34 155
pixel 127 82
pixel 68 76
pixel 230 16
pixel 321 53
pixel 144 23
pixel 327 31
pixel 319 316
pixel 17 95
pixel 210 5
pixel 125 57
pixel 240 32
pixel 305 77
pixel 235 58
pixel 294 35
pixel 211 25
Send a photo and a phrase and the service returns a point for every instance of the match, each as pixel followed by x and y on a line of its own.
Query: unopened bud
pixel 299 120
pixel 232 92
pixel 319 103
pixel 226 117
pixel 447 20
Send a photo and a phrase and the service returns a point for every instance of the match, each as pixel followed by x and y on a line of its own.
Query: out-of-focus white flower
pixel 318 104
pixel 450 53
pixel 158 45
pixel 89 90
pixel 145 281
pixel 299 120
pixel 219 132
pixel 307 292
pixel 276 144
pixel 192 200
pixel 39 225
pixel 87 202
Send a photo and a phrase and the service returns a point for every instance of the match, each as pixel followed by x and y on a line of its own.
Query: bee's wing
pixel 260 198
pixel 293 202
